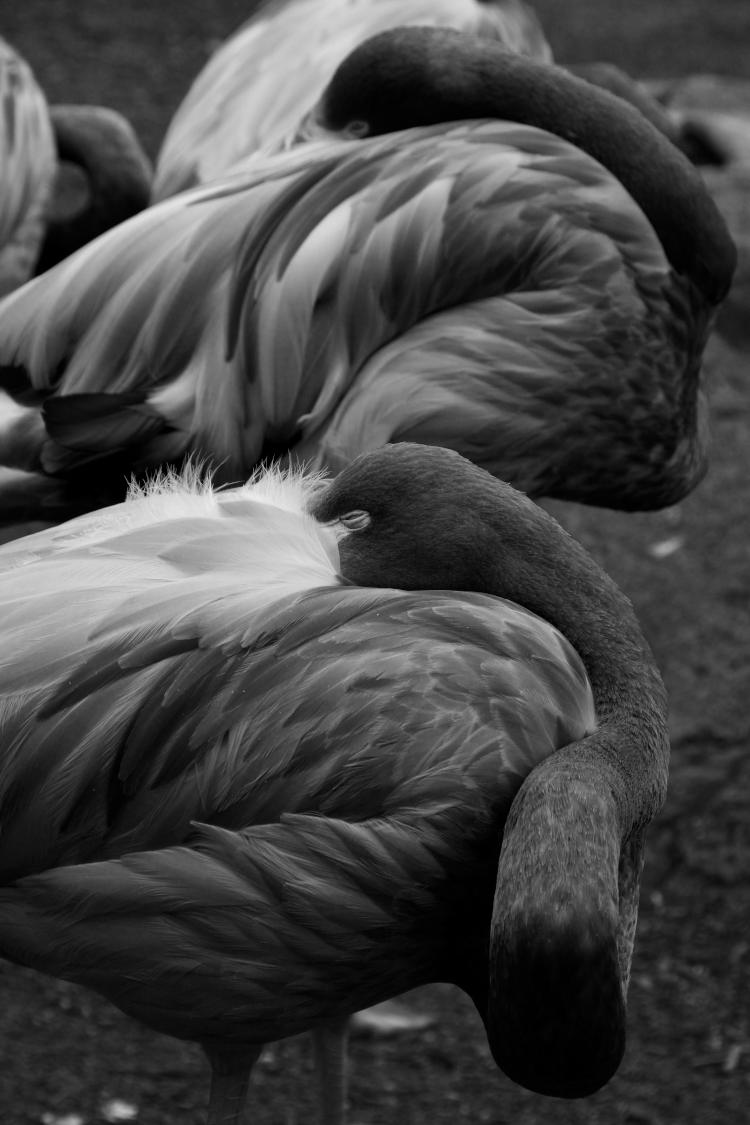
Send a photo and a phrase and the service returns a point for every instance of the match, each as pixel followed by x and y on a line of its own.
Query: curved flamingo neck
pixel 424 76
pixel 566 890
pixel 540 566
pixel 480 534
pixel 566 893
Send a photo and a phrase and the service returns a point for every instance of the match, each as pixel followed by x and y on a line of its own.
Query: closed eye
pixel 357 130
pixel 357 520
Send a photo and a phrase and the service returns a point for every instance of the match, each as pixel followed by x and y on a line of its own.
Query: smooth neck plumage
pixel 425 76
pixel 102 144
pixel 566 891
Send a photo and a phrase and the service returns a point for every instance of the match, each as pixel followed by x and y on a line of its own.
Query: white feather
pixel 258 535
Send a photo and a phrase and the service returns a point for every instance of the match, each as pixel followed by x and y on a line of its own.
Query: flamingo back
pixel 193 655
pixel 536 289
pixel 251 94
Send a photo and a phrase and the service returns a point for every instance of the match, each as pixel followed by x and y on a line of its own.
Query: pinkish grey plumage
pixel 329 353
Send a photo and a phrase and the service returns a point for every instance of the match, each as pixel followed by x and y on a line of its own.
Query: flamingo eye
pixel 357 520
pixel 356 130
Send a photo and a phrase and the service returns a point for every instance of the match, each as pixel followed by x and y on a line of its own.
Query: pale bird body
pixel 329 681
pixel 253 91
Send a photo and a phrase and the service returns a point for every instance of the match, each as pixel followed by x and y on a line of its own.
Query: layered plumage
pixel 295 667
pixel 537 304
pixel 42 218
pixel 253 91
pixel 712 115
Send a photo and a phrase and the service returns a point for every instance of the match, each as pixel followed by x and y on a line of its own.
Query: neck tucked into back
pixel 439 522
pixel 566 892
pixel 424 76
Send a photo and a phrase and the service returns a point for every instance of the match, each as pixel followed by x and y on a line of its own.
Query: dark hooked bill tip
pixel 557 1025
pixel 558 1073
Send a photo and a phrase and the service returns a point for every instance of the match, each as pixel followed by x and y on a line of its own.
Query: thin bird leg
pixel 230 1078
pixel 330 1041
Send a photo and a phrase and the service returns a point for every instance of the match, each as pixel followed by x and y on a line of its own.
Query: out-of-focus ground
pixel 65 1052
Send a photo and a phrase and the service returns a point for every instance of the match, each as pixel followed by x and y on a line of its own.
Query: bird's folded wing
pixel 277 922
pixel 199 702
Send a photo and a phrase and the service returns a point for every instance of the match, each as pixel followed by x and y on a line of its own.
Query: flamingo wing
pixel 260 934
pixel 339 296
pixel 134 348
pixel 356 758
pixel 150 680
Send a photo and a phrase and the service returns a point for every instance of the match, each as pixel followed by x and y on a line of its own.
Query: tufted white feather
pixel 258 533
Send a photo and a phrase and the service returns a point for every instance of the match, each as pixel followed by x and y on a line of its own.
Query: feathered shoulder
pixel 177 526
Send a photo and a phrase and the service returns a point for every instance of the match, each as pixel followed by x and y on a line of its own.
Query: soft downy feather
pixel 259 337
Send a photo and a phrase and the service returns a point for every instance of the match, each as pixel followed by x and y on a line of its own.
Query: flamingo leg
pixel 230 1079
pixel 330 1041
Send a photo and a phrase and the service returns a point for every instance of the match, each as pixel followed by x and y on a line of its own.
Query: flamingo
pixel 276 753
pixel 27 168
pixel 710 113
pixel 41 222
pixel 535 291
pixel 253 91
pixel 102 147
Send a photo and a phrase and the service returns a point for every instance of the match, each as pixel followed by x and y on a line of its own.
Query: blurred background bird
pixel 535 292
pixel 327 678
pixel 253 91
pixel 67 173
